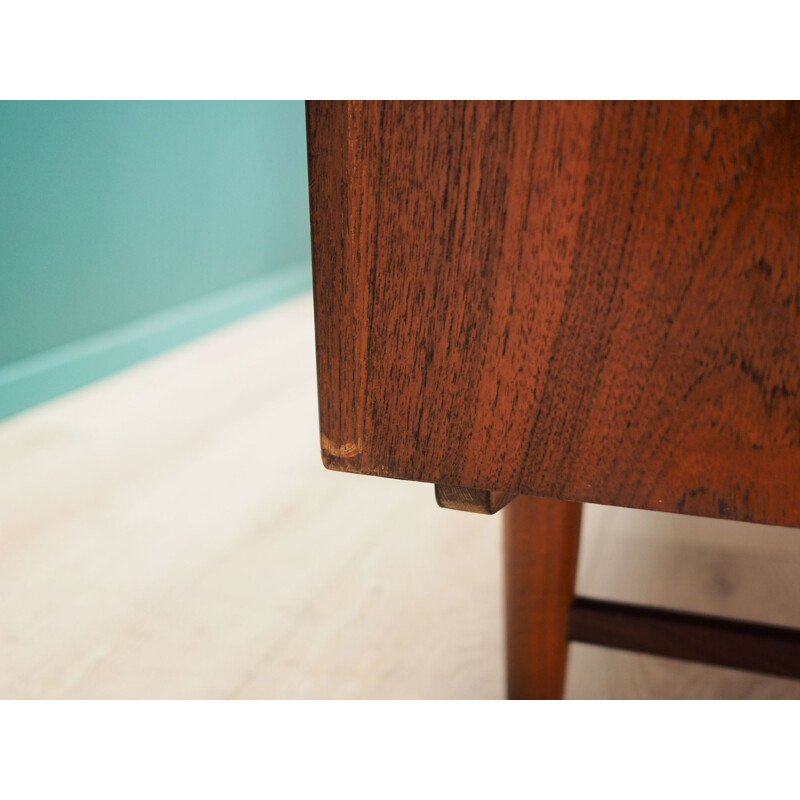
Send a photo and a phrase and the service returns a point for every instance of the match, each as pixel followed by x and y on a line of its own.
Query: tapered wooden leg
pixel 541 557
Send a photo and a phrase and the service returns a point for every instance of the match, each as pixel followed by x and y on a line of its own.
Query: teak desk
pixel 571 302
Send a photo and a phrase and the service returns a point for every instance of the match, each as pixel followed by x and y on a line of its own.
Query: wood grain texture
pixel 541 557
pixel 587 301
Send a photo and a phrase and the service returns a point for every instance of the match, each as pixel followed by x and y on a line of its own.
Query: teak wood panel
pixel 588 301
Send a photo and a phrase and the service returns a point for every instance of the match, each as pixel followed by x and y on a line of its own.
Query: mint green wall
pixel 112 212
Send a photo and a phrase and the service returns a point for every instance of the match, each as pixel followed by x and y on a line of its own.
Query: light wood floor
pixel 170 532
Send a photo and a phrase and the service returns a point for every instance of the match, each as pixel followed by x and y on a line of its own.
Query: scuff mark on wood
pixel 346 450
